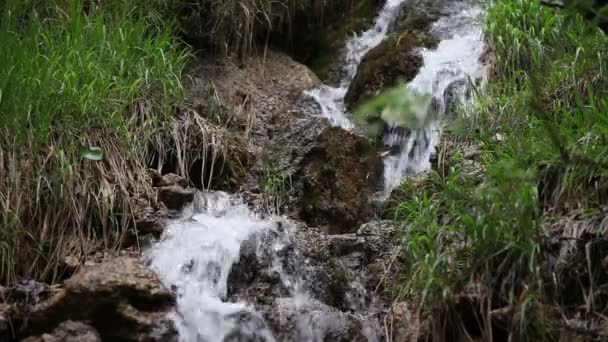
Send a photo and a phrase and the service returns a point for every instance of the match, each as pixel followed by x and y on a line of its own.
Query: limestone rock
pixel 120 298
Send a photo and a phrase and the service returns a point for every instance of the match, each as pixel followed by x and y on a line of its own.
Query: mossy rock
pixel 394 61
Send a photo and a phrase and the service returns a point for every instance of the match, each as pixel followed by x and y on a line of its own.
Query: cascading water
pixel 331 99
pixel 195 257
pixel 198 253
pixel 446 76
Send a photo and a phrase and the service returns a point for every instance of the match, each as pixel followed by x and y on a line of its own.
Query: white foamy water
pixel 195 257
pixel 331 99
pixel 454 62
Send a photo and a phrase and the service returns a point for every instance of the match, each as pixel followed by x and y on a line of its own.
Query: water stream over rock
pixel 331 99
pixel 241 275
pixel 446 75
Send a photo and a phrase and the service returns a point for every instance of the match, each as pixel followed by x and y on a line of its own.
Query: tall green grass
pixel 542 127
pixel 82 91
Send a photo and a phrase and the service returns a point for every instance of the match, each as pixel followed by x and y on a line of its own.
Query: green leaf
pixel 93 153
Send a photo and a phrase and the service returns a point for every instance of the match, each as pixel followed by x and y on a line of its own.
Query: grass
pixel 274 186
pixel 234 26
pixel 82 93
pixel 541 128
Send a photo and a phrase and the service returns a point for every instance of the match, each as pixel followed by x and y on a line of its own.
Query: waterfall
pixel 197 253
pixel 445 73
pixel 195 257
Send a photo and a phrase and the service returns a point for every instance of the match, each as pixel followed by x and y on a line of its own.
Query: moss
pixel 393 61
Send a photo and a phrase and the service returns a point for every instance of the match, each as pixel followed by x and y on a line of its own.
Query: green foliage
pixel 397 106
pixel 460 227
pixel 542 129
pixel 274 185
pixel 83 87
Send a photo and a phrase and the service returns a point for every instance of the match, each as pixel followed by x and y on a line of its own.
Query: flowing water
pixel 204 258
pixel 331 99
pixel 446 75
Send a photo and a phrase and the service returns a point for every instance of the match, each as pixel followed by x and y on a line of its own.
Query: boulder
pixel 333 172
pixel 69 331
pixel 337 177
pixel 120 298
pixel 396 60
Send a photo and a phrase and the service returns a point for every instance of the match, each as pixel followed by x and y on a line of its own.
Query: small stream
pixel 227 262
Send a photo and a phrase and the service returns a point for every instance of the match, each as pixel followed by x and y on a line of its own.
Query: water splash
pixel 331 99
pixel 195 257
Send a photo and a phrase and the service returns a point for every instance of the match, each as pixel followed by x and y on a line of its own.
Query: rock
pixel 405 324
pixel 304 319
pixel 169 180
pixel 120 298
pixel 336 178
pixel 322 46
pixel 333 172
pixel 149 217
pixel 69 331
pixel 175 197
pixel 396 60
pixel 29 292
pixel 248 327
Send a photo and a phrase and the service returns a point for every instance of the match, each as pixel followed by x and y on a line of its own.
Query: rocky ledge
pixel 116 300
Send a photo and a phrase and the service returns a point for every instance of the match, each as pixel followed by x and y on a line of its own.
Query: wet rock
pixel 335 172
pixel 454 95
pixel 323 46
pixel 419 15
pixel 120 298
pixel 149 216
pixel 69 331
pixel 396 60
pixel 249 327
pixel 303 319
pixel 175 197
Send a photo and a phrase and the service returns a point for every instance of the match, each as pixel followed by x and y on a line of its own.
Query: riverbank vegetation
pixel 93 94
pixel 506 238
pixel 82 92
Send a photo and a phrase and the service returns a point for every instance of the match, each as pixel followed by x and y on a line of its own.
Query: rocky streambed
pixel 295 251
